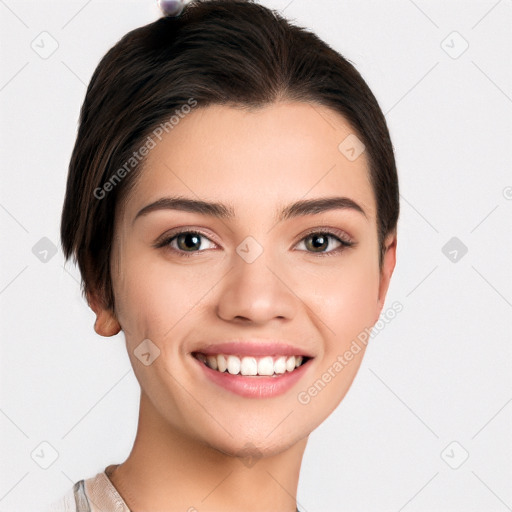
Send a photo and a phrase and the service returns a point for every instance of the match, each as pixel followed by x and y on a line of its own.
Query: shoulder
pixel 68 502
pixel 95 493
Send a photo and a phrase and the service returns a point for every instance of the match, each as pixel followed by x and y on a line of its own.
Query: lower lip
pixel 255 386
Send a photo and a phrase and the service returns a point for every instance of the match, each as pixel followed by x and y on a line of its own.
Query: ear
pixel 388 265
pixel 106 323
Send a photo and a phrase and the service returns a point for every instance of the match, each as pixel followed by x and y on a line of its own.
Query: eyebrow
pixel 223 211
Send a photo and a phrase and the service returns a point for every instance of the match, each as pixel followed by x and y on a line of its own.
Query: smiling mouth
pixel 251 366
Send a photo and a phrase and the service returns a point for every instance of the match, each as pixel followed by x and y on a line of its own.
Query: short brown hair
pixel 229 52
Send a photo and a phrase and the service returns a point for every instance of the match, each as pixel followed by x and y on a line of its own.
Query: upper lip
pixel 252 347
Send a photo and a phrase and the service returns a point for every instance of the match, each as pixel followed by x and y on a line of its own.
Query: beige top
pixel 96 494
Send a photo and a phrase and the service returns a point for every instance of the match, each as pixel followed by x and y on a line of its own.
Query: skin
pixel 193 438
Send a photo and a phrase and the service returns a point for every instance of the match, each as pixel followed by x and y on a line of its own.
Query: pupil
pixel 323 241
pixel 188 237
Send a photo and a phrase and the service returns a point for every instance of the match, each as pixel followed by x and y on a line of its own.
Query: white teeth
pixel 250 366
pixel 221 363
pixel 280 365
pixel 212 362
pixel 266 366
pixel 233 365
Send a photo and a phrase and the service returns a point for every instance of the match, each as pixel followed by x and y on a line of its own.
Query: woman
pixel 232 203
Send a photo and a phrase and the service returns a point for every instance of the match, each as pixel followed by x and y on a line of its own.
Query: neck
pixel 168 471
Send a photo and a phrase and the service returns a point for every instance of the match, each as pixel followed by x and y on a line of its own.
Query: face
pixel 250 278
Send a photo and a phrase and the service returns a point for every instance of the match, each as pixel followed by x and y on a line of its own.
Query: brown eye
pixel 317 242
pixel 185 243
pixel 324 243
pixel 188 241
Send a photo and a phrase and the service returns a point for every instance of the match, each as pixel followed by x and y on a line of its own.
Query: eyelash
pixel 335 234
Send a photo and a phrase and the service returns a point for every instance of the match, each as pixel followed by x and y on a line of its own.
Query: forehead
pixel 254 159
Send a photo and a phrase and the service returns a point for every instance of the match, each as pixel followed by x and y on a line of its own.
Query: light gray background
pixel 439 372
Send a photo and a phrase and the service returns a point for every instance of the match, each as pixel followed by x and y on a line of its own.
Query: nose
pixel 257 292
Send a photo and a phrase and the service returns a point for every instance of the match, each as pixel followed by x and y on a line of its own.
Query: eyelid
pixel 342 235
pixel 164 239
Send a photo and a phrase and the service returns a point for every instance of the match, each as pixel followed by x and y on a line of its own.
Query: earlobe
pixel 106 323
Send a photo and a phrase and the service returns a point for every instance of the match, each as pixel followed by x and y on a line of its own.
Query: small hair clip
pixel 172 7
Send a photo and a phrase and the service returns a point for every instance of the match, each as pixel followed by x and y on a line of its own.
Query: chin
pixel 252 448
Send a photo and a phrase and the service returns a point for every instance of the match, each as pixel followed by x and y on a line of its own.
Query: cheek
pixel 345 304
pixel 153 294
pixel 345 299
